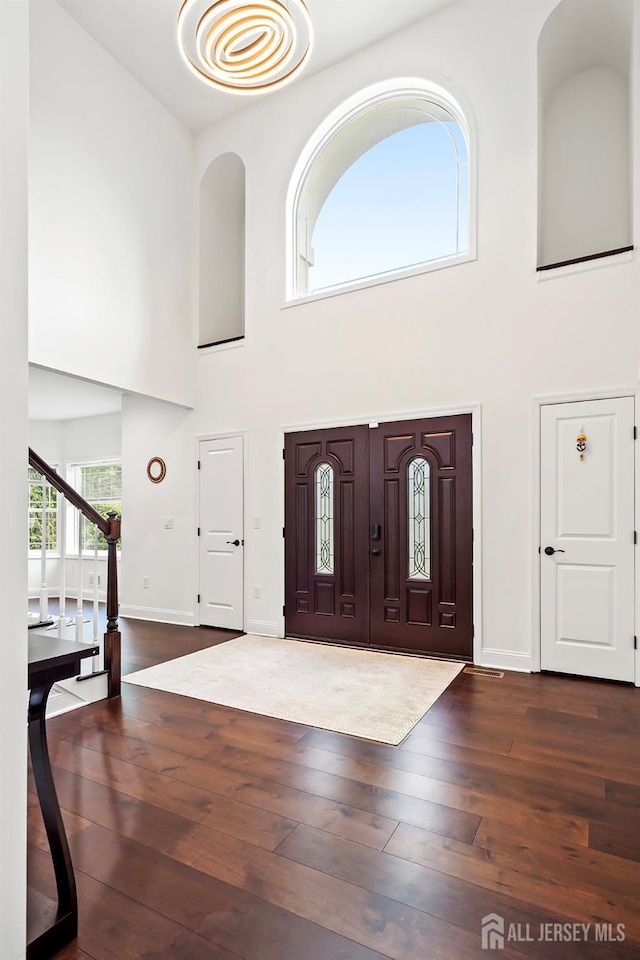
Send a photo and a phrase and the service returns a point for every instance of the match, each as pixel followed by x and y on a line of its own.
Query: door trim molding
pixel 537 403
pixel 203 438
pixel 475 409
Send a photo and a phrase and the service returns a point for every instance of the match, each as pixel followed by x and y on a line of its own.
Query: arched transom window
pixel 382 188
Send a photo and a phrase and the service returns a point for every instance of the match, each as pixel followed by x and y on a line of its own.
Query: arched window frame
pixel 403 89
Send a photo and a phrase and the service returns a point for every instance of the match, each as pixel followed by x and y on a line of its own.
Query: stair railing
pixel 110 527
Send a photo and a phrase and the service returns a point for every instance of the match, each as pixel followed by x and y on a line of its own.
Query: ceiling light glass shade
pixel 245 47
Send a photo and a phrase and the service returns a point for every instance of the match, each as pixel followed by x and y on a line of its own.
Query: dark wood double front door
pixel 378 535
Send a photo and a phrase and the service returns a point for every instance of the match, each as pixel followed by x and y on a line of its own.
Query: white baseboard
pixel 157 614
pixel 505 660
pixel 263 628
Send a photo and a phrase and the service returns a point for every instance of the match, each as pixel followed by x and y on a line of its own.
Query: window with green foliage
pixel 101 485
pixel 37 495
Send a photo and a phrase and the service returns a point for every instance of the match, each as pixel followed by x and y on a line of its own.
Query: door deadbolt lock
pixel 375 553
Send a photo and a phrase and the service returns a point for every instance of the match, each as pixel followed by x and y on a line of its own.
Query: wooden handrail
pixel 110 527
pixel 67 491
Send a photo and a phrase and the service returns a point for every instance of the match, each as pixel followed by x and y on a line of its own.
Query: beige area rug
pixel 365 693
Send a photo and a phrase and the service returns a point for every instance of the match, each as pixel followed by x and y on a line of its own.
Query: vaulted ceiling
pixel 141 35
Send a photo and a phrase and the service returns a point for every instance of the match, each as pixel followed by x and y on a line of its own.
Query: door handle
pixel 236 543
pixel 550 551
pixel 375 553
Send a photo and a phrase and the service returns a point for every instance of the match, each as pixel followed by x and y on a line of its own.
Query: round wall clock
pixel 156 469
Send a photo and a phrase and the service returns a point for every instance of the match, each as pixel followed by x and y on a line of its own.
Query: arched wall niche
pixel 585 140
pixel 222 251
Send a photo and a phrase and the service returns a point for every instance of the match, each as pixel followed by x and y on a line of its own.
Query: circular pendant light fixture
pixel 245 47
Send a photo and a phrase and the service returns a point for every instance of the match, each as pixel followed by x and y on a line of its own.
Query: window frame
pixel 51 552
pixel 401 90
pixel 73 516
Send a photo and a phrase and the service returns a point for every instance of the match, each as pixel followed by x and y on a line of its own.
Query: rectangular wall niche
pixel 222 251
pixel 584 170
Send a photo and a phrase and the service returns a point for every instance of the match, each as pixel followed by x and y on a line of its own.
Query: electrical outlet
pixel 168 523
pixel 256 593
pixel 145 583
pixel 257 522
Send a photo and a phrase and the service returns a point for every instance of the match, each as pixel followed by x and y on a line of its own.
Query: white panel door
pixel 221 534
pixel 587 551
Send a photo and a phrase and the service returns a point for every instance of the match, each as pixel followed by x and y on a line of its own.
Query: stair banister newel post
pixel 112 637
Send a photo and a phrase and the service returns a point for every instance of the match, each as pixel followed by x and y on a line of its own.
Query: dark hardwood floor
pixel 203 833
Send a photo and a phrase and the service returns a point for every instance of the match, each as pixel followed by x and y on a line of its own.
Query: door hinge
pixel 283 529
pixel 198 598
pixel 198 464
pixel 473 535
pixel 284 610
pixel 198 531
pixel 635 433
pixel 283 454
pixel 635 643
pixel 635 536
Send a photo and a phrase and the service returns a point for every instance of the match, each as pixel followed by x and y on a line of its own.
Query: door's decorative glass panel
pixel 324 519
pixel 418 512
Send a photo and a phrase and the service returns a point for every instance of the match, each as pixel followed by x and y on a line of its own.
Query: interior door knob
pixel 236 543
pixel 550 551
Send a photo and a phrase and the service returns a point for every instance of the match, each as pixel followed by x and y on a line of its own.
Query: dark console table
pixel 53 925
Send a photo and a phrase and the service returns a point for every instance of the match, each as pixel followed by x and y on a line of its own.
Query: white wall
pixel 46 437
pixel 112 219
pixel 487 331
pixel 93 438
pixel 166 557
pixel 14 59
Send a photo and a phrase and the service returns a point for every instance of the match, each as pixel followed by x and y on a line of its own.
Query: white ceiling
pixel 141 35
pixel 53 396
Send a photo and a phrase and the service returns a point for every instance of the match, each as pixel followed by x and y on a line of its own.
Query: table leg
pixel 54 825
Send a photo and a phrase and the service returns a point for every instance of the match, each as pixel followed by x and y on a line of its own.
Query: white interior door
pixel 587 539
pixel 221 534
